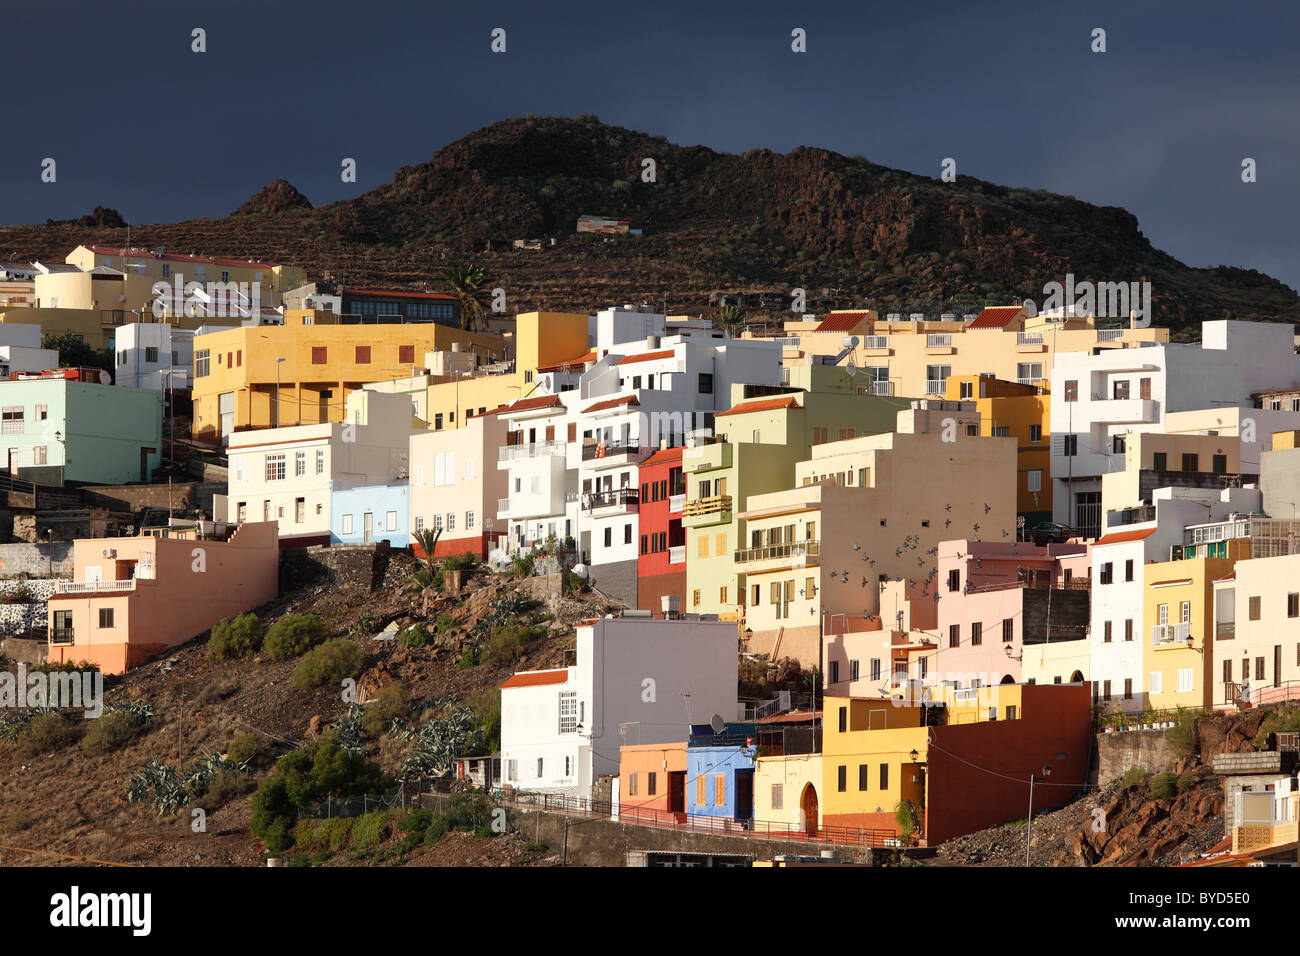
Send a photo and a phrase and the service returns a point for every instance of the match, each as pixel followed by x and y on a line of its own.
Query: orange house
pixel 132 598
pixel 652 781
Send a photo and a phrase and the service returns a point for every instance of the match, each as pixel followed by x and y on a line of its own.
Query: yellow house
pixel 273 278
pixel 786 788
pixel 1019 410
pixel 1178 646
pixel 301 373
pixel 544 342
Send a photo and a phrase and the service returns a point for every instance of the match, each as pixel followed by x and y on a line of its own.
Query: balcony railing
pixel 882 388
pixel 935 386
pixel 609 449
pixel 1110 335
pixel 618 497
pixel 1029 338
pixel 675 502
pixel 503 507
pixel 677 554
pixel 530 450
pixel 93 587
pixel 1225 630
pixel 1170 633
pixel 875 341
pixel 933 341
pixel 61 635
pixel 792 550
pixel 715 504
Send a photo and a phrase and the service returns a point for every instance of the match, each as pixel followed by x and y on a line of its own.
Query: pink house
pixel 995 598
pixel 132 598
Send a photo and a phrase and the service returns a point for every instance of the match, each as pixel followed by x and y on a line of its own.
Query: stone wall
pixel 339 565
pixel 45 559
pixel 24 618
pixel 1122 750
pixel 180 495
pixel 616 580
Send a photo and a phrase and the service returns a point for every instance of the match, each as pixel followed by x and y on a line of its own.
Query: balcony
pixel 1029 338
pixel 707 457
pixel 503 507
pixel 677 554
pixel 94 587
pixel 876 344
pixel 676 502
pixel 1110 335
pixel 531 450
pixel 1127 516
pixel 715 509
pixel 938 341
pixel 1225 630
pixel 1122 411
pixel 61 635
pixel 617 500
pixel 935 386
pixel 1168 634
pixel 609 454
pixel 773 556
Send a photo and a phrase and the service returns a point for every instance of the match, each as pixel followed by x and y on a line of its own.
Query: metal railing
pixel 677 501
pixel 503 507
pixel 875 341
pixel 1110 335
pixel 935 386
pixel 1170 633
pixel 530 450
pixel 791 550
pixel 614 498
pixel 1029 338
pixel 1225 630
pixel 61 635
pixel 701 823
pixel 677 554
pixel 715 504
pixel 610 449
pixel 940 341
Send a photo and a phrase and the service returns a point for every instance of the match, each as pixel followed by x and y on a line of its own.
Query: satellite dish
pixel 717 723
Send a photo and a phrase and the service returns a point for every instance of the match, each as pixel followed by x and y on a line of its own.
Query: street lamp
pixel 277 391
pixel 1029 824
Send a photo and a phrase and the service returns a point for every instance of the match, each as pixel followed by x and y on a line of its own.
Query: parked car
pixel 1051 532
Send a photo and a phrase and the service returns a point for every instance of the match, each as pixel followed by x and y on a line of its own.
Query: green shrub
pixel 370 830
pixel 1181 737
pixel 535 846
pixel 225 786
pixel 293 634
pixel 1134 776
pixel 392 702
pixel 523 565
pixel 1163 785
pixel 486 707
pixel 444 623
pixel 1186 782
pixel 1281 722
pixel 328 663
pixel 17 820
pixel 507 643
pixel 245 748
pixel 413 636
pixel 18 593
pixel 108 733
pixel 908 817
pixel 323 836
pixel 48 732
pixel 233 638
pixel 575 583
pixel 365 626
pixel 459 562
pixel 470 657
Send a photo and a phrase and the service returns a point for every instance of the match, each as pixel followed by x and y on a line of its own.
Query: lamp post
pixel 277 391
pixel 1029 824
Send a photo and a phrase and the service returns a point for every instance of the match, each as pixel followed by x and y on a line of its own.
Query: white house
pixel 288 474
pixel 1099 399
pixel 20 350
pixel 635 680
pixel 157 355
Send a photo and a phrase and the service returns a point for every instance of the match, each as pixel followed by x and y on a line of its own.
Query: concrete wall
pixel 1121 751
pixel 182 496
pixel 340 565
pixel 36 560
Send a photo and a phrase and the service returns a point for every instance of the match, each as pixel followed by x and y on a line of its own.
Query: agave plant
pixel 159 783
pixel 137 711
pixel 437 744
pixel 201 776
pixel 13 724
pixel 349 729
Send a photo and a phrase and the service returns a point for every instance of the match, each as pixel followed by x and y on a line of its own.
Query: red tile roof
pixel 646 357
pixel 528 404
pixel 177 257
pixel 537 678
pixel 612 403
pixel 663 455
pixel 840 322
pixel 995 317
pixel 1119 536
pixel 761 405
pixel 580 360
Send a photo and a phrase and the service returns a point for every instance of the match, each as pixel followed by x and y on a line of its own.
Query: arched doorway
pixel 1008 679
pixel 1076 677
pixel 808 806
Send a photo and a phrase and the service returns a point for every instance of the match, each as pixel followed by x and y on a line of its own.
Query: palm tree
pixel 731 315
pixel 465 280
pixel 427 541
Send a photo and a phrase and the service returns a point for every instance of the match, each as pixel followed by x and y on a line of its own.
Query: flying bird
pixel 987 509
pixel 947 507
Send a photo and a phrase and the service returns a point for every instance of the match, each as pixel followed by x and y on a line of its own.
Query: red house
pixel 661 561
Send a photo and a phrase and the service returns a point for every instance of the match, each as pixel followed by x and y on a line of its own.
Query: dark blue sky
pixel 1158 124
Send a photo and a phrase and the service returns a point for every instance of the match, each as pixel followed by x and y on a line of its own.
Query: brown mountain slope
pixel 809 218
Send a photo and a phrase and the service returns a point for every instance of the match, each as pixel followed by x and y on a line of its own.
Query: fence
pixel 695 823
pixel 361 804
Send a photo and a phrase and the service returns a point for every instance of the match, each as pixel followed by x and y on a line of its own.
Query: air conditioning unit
pixel 110 552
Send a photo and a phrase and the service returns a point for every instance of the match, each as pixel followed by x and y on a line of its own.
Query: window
pixel 1128 629
pixel 1293 604
pixel 706 383
pixel 778 796
pixel 1186 680
pixel 627 534
pixel 631 784
pixel 1128 570
pixel 300 510
pixel 1035 433
pixel 105 617
pixel 1159 461
pixel 1008 630
pixel 569 712
pixel 201 363
pixel 719 789
pixel 1106 638
pixel 38 455
pixel 844 720
pixel 1117 444
pixel 42 412
pixel 875 668
pixel 1070 445
pixel 1107 573
pixel 1219 464
pixel 1001 431
pixel 1128 688
pixel 11 420
pixel 954 635
pixel 1034 480
pixel 1155 682
pixel 363 354
pixel 392 521
pixel 699 790
pixel 835 672
pixel 884 776
pixel 150 354
pixel 319 356
pixel 1186 615
pixel 609 537
pixel 300 464
pixel 977 632
pixel 853 670
pixel 954 580
pixel 820 435
pixel 695 598
pixel 1105 690
pixel 1254 608
pixel 469 521
pixel 842 778
pixel 864 775
pixel 274 468
pixel 347 524
pixel 405 354
pixel 539 767
pixel 651 783
pixel 320 462
pixel 419 525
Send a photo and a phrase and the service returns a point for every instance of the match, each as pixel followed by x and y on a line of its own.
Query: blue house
pixel 720 772
pixel 371 513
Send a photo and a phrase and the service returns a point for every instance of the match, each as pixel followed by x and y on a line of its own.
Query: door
pixel 13 462
pixel 226 409
pixel 1277 665
pixel 744 795
pixel 808 809
pixel 144 462
pixel 677 791
pixel 368 528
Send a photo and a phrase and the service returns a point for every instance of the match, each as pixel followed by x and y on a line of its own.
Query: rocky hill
pixel 847 230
